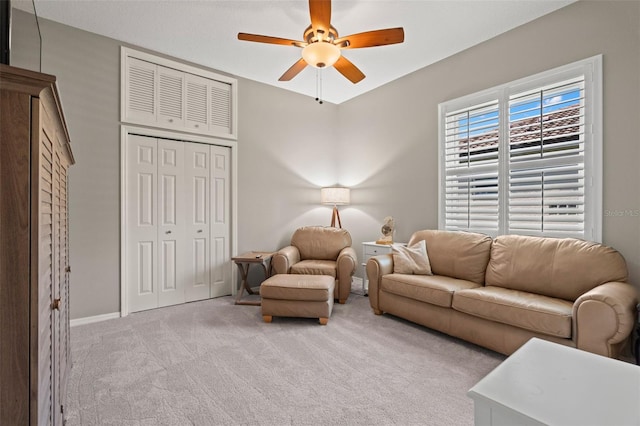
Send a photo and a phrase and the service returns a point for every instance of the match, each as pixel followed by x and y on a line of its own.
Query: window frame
pixel 591 69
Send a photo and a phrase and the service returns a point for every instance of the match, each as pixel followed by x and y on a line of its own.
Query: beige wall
pixel 286 148
pixel 383 144
pixel 390 134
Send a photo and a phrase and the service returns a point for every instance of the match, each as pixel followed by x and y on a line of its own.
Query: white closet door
pixel 171 222
pixel 197 256
pixel 142 219
pixel 177 222
pixel 220 221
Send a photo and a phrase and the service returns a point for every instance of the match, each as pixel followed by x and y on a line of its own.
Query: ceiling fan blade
pixel 350 71
pixel 371 38
pixel 294 70
pixel 320 11
pixel 270 40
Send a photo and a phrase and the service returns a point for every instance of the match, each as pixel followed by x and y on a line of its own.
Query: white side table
pixel 370 249
pixel 551 384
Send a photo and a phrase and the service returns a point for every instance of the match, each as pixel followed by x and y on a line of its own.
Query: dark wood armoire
pixel 34 249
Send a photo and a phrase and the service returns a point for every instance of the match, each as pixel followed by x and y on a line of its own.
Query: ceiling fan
pixel 322 47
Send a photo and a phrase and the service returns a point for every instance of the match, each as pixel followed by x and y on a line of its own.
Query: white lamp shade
pixel 321 54
pixel 335 196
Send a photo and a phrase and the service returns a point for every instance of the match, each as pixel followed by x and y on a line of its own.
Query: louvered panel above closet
pixel 167 94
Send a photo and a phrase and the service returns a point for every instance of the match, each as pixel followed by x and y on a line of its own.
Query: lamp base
pixel 335 215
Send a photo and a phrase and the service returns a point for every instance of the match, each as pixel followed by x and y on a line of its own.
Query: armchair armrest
pixel 347 261
pixel 376 267
pixel 346 264
pixel 284 258
pixel 604 318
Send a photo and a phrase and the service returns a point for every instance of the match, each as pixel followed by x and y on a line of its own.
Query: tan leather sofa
pixel 319 250
pixel 499 293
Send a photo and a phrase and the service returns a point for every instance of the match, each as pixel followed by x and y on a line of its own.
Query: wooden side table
pixel 244 262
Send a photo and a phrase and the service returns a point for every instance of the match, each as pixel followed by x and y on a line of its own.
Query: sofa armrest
pixel 604 317
pixel 377 267
pixel 284 258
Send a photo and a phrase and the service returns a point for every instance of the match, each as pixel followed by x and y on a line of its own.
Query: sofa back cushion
pixel 320 242
pixel 462 255
pixel 557 267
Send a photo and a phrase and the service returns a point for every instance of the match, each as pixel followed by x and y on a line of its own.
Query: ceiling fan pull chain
pixel 319 83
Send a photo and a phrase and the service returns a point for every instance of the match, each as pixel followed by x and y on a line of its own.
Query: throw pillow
pixel 411 260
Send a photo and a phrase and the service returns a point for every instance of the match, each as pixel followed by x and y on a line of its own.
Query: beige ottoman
pixel 293 295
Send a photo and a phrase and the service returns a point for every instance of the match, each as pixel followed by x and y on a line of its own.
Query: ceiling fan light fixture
pixel 321 54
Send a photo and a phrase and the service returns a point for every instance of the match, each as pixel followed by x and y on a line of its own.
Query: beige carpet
pixel 215 363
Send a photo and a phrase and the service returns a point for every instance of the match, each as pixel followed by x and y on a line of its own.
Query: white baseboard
pixel 97 318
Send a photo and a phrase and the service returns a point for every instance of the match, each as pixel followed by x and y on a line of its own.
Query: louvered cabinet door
pixel 45 375
pixel 197 103
pixel 170 98
pixel 64 359
pixel 170 95
pixel 140 94
pixel 220 110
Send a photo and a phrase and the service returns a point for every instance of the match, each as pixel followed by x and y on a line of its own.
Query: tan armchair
pixel 318 250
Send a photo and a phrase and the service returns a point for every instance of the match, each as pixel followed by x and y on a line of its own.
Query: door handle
pixel 56 304
pixel 167 232
pixel 199 231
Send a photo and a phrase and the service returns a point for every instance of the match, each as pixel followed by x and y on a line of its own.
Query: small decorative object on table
pixel 387 231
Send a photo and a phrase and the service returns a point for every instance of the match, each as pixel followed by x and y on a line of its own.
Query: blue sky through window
pixel 487 122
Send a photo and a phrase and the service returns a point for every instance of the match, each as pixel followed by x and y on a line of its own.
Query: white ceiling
pixel 205 32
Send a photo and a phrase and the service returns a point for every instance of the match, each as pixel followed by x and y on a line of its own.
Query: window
pixel 526 157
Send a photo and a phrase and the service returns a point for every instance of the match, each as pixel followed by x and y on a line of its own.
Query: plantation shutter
pixel 546 160
pixel 471 160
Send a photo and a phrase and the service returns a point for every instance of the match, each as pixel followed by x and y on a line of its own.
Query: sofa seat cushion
pixel 315 267
pixel 435 289
pixel 541 314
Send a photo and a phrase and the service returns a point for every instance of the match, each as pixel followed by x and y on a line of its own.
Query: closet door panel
pixel 220 220
pixel 142 221
pixel 170 222
pixel 197 259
